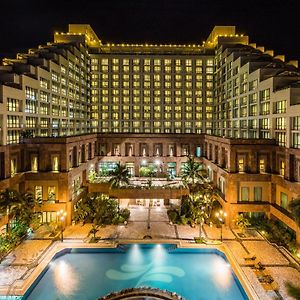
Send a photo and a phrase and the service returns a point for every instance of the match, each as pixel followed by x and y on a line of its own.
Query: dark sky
pixel 273 24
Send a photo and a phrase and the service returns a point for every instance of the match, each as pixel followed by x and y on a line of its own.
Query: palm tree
pixel 192 172
pixel 294 207
pixel 241 222
pixel 10 203
pixel 120 176
pixel 25 211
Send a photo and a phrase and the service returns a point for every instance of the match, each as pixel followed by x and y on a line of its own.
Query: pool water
pixel 88 274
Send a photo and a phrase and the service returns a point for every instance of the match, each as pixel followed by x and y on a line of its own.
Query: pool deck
pixel 20 268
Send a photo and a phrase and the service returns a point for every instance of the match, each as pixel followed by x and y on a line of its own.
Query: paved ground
pixel 154 223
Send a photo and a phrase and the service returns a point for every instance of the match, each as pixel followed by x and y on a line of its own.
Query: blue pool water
pixel 88 274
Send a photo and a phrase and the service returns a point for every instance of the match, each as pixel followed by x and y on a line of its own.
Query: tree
pixel 193 172
pixel 10 203
pixel 241 222
pixel 93 231
pixel 17 207
pixel 120 176
pixel 99 209
pixel 25 212
pixel 197 207
pixel 294 206
pixel 293 291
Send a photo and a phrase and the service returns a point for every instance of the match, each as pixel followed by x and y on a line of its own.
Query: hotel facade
pixel 77 104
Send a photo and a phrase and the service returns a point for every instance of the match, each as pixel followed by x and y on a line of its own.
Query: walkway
pixel 278 264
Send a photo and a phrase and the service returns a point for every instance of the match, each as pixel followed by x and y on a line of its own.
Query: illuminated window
pixel 167 62
pixel 168 69
pixel 244 193
pixel 280 107
pixel 51 193
pixel 55 163
pixel 280 123
pixel 262 165
pixel 38 193
pixel 115 68
pixel 283 200
pixel 34 163
pixel 265 95
pixel 241 164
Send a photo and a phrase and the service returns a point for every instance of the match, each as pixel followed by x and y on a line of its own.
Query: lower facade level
pixel 253 176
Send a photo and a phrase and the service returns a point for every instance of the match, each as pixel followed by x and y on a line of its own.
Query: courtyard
pixel 153 224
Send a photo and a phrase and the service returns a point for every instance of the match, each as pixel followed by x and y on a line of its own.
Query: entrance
pixel 150 202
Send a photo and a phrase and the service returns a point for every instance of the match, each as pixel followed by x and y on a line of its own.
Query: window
pixel 262 165
pixel 265 95
pixel 258 193
pixel 44 83
pixel 30 93
pixel 281 167
pixel 12 104
pixel 34 163
pixel 55 163
pixel 253 84
pixel 280 107
pixel 185 150
pixel 265 108
pixel 241 164
pixel 116 149
pixel 38 193
pixel 283 200
pixel 296 140
pixel 13 167
pixel 244 193
pixel 198 151
pixel 13 121
pixel 280 138
pixel 280 123
pixel 51 193
pixel 296 123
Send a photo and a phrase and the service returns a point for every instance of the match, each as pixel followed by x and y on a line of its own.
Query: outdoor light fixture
pixel 221 215
pixel 144 162
pixel 157 162
pixel 61 215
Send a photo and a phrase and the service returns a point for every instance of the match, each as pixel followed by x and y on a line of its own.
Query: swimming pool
pixel 86 274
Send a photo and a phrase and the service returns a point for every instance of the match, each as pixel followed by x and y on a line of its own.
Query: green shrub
pixel 183 220
pixel 115 220
pixel 276 232
pixel 173 215
pixel 125 214
pixel 199 240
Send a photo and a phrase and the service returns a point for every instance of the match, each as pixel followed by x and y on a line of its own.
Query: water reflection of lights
pixel 65 278
pixel 135 254
pixel 159 253
pixel 222 273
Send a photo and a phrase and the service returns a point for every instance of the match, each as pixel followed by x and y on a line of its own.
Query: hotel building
pixel 77 104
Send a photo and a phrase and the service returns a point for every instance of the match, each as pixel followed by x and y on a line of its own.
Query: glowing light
pixel 222 273
pixel 157 162
pixel 135 255
pixel 144 162
pixel 65 278
pixel 159 253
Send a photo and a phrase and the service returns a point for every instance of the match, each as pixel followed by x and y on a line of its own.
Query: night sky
pixel 274 24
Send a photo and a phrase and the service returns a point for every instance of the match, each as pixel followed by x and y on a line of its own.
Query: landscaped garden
pixel 20 211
